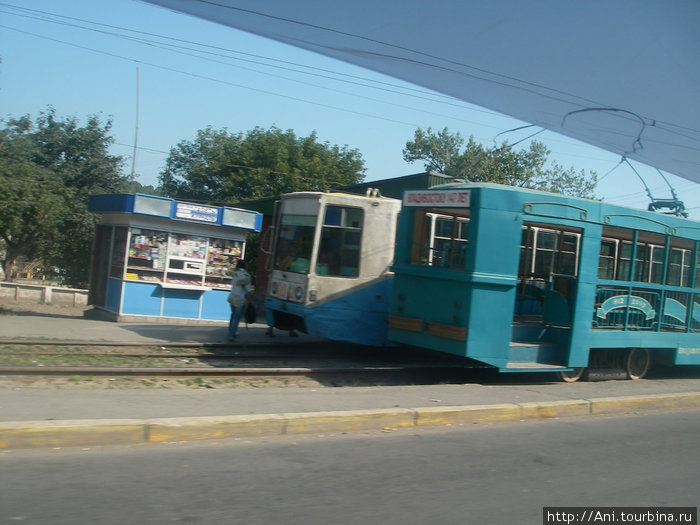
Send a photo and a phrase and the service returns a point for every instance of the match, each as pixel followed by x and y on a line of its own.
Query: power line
pixel 205 77
pixel 448 99
pixel 206 51
pixel 199 44
pixel 44 14
pixel 180 49
pixel 413 108
pixel 141 148
pixel 477 72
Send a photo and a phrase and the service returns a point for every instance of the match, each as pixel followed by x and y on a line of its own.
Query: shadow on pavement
pixel 71 313
pixel 179 333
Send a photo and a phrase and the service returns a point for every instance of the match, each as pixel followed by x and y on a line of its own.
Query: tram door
pixel 547 272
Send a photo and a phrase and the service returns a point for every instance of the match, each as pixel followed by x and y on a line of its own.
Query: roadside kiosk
pixel 162 258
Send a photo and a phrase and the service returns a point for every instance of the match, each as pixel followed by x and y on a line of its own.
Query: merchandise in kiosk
pixel 158 257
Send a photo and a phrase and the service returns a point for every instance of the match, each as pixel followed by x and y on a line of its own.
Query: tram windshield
pixel 295 243
pixel 339 246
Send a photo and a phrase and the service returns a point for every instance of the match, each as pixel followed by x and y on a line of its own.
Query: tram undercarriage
pixel 628 363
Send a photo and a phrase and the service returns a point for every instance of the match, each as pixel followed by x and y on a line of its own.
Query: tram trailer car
pixel 331 263
pixel 524 280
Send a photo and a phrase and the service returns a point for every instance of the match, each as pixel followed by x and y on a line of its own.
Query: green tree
pixel 48 170
pixel 527 168
pixel 148 189
pixel 219 166
pixel 29 198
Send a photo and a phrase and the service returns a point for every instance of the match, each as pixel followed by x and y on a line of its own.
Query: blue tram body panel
pixel 528 294
pixel 359 317
pixel 517 279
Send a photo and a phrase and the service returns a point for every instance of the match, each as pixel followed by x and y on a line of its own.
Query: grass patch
pixel 79 378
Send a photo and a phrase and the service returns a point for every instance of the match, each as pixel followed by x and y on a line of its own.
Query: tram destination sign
pixel 435 198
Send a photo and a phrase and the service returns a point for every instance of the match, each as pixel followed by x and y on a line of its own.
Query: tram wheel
pixel 637 363
pixel 572 375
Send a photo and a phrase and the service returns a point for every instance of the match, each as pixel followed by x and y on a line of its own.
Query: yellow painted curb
pixel 342 421
pixel 71 433
pixel 545 409
pixel 616 405
pixel 466 414
pixel 196 428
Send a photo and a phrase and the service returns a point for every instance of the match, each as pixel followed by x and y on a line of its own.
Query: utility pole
pixel 136 133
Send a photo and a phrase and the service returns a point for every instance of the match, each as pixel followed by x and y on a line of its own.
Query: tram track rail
pixel 66 358
pixel 209 371
pixel 203 356
pixel 146 345
pixel 176 350
pixel 57 359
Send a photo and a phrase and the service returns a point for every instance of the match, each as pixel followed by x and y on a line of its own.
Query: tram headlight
pixel 275 287
pixel 298 293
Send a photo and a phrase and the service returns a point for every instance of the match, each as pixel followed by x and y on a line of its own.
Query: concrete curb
pixel 95 432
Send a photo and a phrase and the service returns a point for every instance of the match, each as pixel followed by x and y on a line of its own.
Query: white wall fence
pixel 38 293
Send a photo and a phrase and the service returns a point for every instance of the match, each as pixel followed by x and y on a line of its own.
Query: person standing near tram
pixel 238 297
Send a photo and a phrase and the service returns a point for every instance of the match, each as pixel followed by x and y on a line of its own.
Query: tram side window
pixel 656 261
pixel 607 260
pixel 625 262
pixel 616 256
pixel 648 262
pixel 545 252
pixel 294 243
pixel 339 250
pixel 555 251
pixel 679 267
pixel 440 240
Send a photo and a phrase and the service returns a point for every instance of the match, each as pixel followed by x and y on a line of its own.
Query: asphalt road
pixel 502 473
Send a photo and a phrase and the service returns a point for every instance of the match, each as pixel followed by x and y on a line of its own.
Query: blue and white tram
pixel 531 281
pixel 331 262
pixel 521 280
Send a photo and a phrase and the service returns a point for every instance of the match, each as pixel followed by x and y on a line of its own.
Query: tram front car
pixel 331 264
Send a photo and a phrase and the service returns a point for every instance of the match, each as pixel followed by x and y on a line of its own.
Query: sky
pixel 161 76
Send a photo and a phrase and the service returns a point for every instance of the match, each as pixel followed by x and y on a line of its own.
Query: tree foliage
pixel 219 166
pixel 48 169
pixel 527 168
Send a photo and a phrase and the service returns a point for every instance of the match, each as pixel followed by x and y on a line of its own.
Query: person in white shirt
pixel 238 297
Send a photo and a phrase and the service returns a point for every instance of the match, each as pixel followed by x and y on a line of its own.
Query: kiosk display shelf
pixel 147 255
pixel 186 260
pixel 172 281
pixel 221 259
pixel 187 246
pixel 174 259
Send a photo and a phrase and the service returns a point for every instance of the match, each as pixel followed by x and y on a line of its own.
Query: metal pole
pixel 136 133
